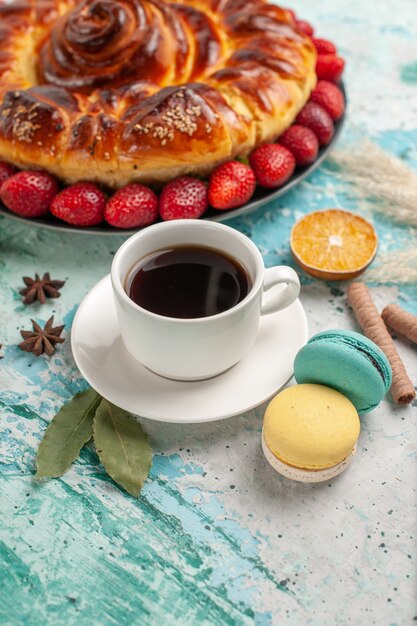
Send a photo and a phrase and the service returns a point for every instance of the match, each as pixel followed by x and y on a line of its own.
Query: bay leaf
pixel 68 431
pixel 122 446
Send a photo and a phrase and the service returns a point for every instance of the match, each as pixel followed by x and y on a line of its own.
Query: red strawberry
pixel 318 120
pixel 29 193
pixel 81 204
pixel 305 27
pixel 329 96
pixel 132 206
pixel 323 46
pixel 273 165
pixel 231 185
pixel 329 67
pixel 302 142
pixel 183 198
pixel 6 171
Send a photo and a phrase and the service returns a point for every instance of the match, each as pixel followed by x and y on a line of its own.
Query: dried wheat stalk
pixel 376 174
pixel 394 267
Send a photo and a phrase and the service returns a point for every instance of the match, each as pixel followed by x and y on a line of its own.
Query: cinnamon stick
pixel 373 327
pixel 403 322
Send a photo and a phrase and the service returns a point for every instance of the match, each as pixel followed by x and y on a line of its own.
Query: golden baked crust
pixel 117 91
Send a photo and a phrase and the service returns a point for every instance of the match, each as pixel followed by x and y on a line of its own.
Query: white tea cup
pixel 197 348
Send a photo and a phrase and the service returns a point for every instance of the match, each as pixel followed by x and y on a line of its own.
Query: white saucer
pixel 109 368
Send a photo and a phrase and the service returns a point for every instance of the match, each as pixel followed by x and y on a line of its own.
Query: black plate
pixel 260 197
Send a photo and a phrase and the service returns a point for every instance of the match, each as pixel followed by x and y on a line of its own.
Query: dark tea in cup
pixel 188 282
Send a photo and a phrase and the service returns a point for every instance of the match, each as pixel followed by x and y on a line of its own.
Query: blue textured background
pixel 217 537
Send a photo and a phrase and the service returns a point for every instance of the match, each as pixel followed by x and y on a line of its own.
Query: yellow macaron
pixel 310 432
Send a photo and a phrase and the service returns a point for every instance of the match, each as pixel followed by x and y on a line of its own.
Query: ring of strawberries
pixel 32 194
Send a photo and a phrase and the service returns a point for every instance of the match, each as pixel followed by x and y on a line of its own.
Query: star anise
pixel 40 288
pixel 41 340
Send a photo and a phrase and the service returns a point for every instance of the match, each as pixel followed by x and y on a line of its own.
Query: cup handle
pixel 277 276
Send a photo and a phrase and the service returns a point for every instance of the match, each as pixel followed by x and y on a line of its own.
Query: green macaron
pixel 348 362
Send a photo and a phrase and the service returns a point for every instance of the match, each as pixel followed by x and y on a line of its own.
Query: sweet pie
pixel 146 90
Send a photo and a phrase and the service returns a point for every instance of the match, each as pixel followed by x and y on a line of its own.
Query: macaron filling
pixel 310 467
pixel 351 343
pixel 305 475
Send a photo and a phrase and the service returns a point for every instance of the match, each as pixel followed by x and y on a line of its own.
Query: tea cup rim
pixel 117 282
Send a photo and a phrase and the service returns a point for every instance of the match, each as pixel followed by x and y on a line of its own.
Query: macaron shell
pixel 367 347
pixel 348 362
pixel 304 475
pixel 311 426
